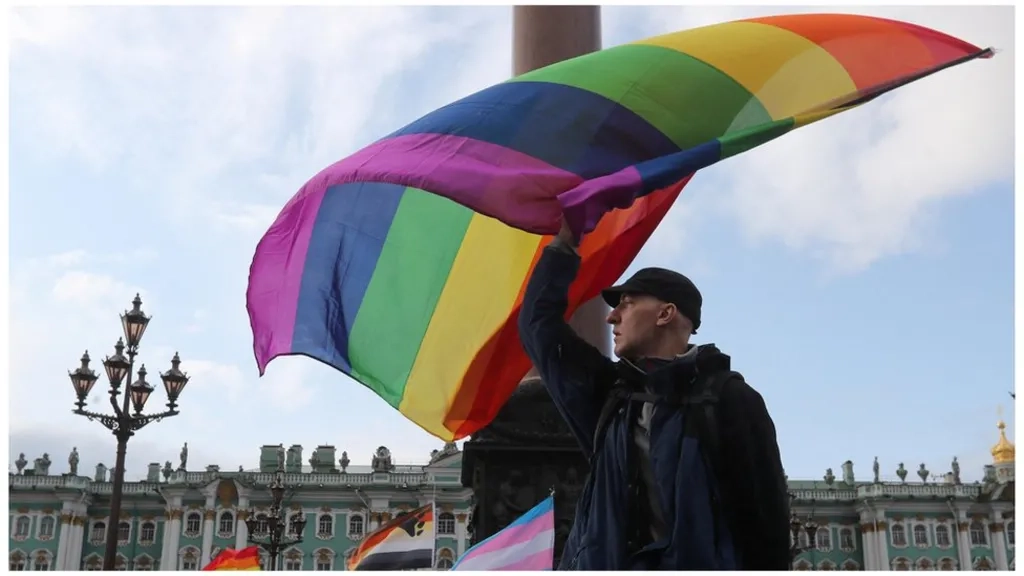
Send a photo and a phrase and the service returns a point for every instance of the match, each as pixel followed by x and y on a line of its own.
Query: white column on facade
pixel 172 535
pixel 867 535
pixel 62 540
pixel 73 559
pixel 998 535
pixel 208 517
pixel 963 545
pixel 241 529
pixel 460 534
pixel 882 542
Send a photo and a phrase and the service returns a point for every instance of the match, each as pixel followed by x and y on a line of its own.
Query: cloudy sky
pixel 859 271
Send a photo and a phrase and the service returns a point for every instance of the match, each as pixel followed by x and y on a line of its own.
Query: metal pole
pixel 123 433
pixel 545 35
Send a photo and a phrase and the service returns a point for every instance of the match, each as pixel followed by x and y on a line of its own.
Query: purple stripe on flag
pixel 585 204
pixel 493 180
pixel 275 276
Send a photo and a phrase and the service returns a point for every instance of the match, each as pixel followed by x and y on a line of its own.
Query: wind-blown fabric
pixel 403 265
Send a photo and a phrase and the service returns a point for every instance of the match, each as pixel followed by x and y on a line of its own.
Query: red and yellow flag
pixel 231 559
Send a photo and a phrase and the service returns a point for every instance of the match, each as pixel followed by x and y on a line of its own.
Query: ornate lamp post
pixel 270 533
pixel 796 526
pixel 127 416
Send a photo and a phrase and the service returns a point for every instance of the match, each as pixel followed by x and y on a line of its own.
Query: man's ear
pixel 667 314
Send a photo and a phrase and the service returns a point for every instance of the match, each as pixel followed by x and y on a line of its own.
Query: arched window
pixel 124 532
pixel 189 558
pixel 261 524
pixel 98 535
pixel 47 526
pixel 355 526
pixel 899 535
pixel 42 560
pixel 325 526
pixel 846 540
pixel 824 538
pixel 93 562
pixel 901 565
pixel 293 560
pixel 983 564
pixel 147 533
pixel 920 536
pixel 193 524
pixel 802 565
pixel 324 560
pixel 827 566
pixel 978 536
pixel 851 565
pixel 226 524
pixel 16 561
pixel 446 523
pixel 924 564
pixel 942 536
pixel 947 564
pixel 144 563
pixel 22 526
pixel 120 563
pixel 445 559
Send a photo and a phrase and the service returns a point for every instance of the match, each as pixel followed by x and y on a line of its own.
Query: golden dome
pixel 1004 451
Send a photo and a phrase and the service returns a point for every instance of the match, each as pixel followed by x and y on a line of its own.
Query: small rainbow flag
pixel 231 559
pixel 405 543
pixel 526 544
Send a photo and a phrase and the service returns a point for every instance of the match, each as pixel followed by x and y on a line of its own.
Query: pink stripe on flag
pixel 538 561
pixel 518 535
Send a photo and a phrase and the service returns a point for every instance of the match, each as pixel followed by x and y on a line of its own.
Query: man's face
pixel 634 324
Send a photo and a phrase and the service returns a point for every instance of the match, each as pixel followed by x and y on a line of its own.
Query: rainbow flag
pixel 405 543
pixel 231 559
pixel 404 265
pixel 526 544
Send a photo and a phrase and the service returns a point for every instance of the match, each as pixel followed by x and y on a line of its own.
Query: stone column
pixel 963 545
pixel 998 536
pixel 172 537
pixel 208 516
pixel 241 528
pixel 62 541
pixel 460 534
pixel 867 532
pixel 73 559
pixel 882 541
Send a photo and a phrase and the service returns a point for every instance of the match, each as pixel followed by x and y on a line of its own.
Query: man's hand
pixel 566 236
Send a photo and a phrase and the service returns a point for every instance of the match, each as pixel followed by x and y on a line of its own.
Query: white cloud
pixel 859 187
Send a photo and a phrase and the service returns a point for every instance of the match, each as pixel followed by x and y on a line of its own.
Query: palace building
pixel 179 519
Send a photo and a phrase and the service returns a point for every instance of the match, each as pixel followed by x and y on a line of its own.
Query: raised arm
pixel 575 373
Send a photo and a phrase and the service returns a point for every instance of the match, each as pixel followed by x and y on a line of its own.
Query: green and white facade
pixel 918 521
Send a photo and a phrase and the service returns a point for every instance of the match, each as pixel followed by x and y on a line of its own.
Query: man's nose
pixel 612 318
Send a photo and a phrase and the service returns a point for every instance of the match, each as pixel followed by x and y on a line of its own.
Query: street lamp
pixel 127 416
pixel 796 526
pixel 273 536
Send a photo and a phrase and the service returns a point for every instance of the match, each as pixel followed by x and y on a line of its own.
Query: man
pixel 675 483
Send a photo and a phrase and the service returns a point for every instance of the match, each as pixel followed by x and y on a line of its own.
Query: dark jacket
pixel 578 378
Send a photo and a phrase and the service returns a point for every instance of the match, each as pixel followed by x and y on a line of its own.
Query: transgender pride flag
pixel 526 544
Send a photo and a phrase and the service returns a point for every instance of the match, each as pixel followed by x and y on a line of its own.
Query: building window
pixel 947 565
pixel 920 536
pixel 355 526
pixel 802 565
pixel 325 526
pixel 899 535
pixel 323 565
pixel 147 533
pixel 942 536
pixel 293 529
pixel 851 565
pixel 93 563
pixel 193 524
pixel 47 525
pixel 846 541
pixel 42 561
pixel 292 564
pixel 901 565
pixel 444 564
pixel 120 563
pixel 144 563
pixel 446 523
pixel 983 564
pixel 190 558
pixel 99 533
pixel 827 566
pixel 924 564
pixel 978 536
pixel 124 532
pixel 226 525
pixel 824 538
pixel 261 524
pixel 21 527
pixel 17 561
